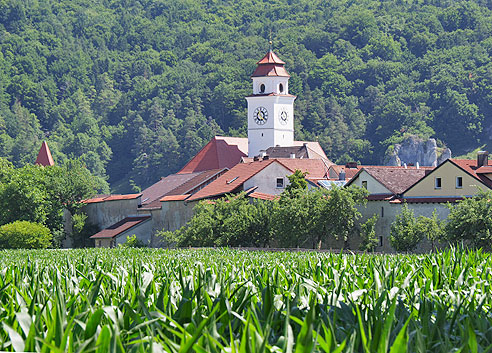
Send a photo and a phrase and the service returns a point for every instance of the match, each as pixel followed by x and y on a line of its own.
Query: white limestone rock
pixel 414 150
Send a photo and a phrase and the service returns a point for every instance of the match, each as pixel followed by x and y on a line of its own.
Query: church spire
pixel 270 65
pixel 44 156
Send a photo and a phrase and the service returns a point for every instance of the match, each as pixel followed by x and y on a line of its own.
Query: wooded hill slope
pixel 136 88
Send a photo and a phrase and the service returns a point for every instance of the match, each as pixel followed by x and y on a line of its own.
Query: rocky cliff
pixel 415 150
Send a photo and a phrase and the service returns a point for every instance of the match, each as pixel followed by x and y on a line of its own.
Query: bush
pixel 133 242
pixel 404 235
pixel 24 235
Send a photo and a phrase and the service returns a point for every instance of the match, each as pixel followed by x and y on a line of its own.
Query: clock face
pixel 283 116
pixel 260 115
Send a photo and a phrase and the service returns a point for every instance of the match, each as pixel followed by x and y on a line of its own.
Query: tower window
pixel 262 88
pixel 281 88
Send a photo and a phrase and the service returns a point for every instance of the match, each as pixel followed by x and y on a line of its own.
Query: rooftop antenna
pixel 270 41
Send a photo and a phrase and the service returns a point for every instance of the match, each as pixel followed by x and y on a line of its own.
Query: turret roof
pixel 270 65
pixel 44 156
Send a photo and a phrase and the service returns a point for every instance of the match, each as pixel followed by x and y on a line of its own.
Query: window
pixel 382 212
pixel 380 240
pixel 437 183
pixel 459 182
pixel 281 88
pixel 262 88
pixel 364 184
pixel 280 183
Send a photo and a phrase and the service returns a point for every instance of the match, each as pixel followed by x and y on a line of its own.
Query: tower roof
pixel 44 156
pixel 270 65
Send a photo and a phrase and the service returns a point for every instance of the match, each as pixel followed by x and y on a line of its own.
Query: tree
pixel 24 235
pixel 368 234
pixel 470 221
pixel 404 235
pixel 297 181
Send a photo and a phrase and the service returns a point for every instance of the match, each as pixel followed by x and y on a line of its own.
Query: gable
pixel 448 172
pixel 373 185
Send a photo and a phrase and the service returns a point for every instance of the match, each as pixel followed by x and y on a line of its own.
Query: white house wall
pixel 266 179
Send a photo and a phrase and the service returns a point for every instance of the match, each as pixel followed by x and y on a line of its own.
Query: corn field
pixel 220 300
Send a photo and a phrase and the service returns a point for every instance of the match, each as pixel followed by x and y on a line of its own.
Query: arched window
pixel 262 88
pixel 281 88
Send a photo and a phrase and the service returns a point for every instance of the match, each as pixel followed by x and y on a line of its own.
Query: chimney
pixel 341 176
pixel 405 165
pixel 417 165
pixel 262 153
pixel 292 156
pixel 482 158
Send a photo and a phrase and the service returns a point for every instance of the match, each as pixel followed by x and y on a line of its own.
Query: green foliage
pixel 297 180
pixel 230 221
pixel 40 194
pixel 298 219
pixel 470 221
pixel 136 89
pixel 220 300
pixel 24 235
pixel 133 242
pixel 368 234
pixel 404 234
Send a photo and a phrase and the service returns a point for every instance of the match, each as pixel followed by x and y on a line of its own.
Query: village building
pixel 259 165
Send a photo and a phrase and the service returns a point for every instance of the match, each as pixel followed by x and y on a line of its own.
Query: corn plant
pixel 222 300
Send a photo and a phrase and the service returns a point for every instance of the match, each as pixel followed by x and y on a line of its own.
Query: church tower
pixel 270 107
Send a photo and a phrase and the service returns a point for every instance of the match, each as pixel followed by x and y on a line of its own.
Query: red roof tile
pixel 175 197
pixel 316 168
pixel 270 65
pixel 165 186
pixel 44 156
pixel 120 227
pixel 470 166
pixel 112 198
pixel 263 196
pixel 220 152
pixel 270 58
pixel 395 179
pixel 232 180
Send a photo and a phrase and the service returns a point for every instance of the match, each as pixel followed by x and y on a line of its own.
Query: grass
pixel 143 300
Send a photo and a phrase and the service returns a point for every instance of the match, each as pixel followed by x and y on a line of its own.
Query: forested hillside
pixel 138 87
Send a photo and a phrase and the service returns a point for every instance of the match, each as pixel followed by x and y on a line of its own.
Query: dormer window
pixel 281 88
pixel 262 88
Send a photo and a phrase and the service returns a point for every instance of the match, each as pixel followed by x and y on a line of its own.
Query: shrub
pixel 404 236
pixel 24 235
pixel 133 242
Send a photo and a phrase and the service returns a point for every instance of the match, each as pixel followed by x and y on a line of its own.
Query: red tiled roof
pixel 122 197
pixel 120 227
pixel 263 196
pixel 270 65
pixel 174 198
pixel 470 166
pixel 197 182
pixel 220 152
pixel 316 168
pixel 111 198
pixel 395 179
pixel 486 169
pixel 232 180
pixel 44 156
pixel 270 58
pixel 165 186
